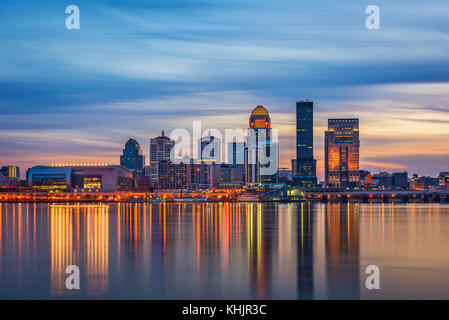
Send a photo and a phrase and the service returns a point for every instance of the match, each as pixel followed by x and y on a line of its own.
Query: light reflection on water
pixel 224 251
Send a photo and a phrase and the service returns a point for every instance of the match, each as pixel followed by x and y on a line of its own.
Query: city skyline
pixel 283 163
pixel 133 71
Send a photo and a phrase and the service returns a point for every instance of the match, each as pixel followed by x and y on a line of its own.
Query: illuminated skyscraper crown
pixel 260 119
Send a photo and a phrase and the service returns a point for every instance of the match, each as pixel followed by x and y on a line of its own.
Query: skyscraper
pixel 132 158
pixel 305 167
pixel 262 153
pixel 342 146
pixel 160 149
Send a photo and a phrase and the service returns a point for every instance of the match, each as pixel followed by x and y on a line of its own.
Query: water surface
pixel 224 251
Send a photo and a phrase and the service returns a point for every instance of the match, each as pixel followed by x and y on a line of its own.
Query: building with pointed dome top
pixel 262 152
pixel 260 118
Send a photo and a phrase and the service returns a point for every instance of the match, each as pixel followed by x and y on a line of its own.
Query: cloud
pixel 137 67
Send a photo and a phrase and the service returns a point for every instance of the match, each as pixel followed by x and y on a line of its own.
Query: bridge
pixel 287 194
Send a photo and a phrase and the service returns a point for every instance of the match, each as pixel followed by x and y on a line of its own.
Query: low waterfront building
pixel 69 177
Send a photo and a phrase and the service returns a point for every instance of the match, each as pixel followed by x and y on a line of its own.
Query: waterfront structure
pixel 68 177
pixel 342 153
pixel 12 172
pixel 305 173
pixel 209 150
pixel 160 150
pixel 262 152
pixel 132 158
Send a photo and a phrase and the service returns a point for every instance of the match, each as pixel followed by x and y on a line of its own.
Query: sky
pixel 135 68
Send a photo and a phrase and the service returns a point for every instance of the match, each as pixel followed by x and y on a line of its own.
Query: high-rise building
pixel 132 158
pixel 306 168
pixel 262 153
pixel 160 149
pixel 10 171
pixel 342 147
pixel 209 149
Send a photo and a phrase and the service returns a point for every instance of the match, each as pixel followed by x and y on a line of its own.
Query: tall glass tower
pixel 132 157
pixel 305 163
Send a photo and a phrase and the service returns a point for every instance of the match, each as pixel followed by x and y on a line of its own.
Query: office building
pixel 342 147
pixel 160 149
pixel 305 173
pixel 172 176
pixel 201 175
pixel 132 158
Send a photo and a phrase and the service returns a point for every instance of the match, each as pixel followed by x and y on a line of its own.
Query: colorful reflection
pixel 223 250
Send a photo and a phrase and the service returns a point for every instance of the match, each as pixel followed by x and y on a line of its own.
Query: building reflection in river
pixel 221 250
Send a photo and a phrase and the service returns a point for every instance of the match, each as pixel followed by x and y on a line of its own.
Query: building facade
pixel 132 158
pixel 201 175
pixel 305 173
pixel 160 149
pixel 342 152
pixel 172 176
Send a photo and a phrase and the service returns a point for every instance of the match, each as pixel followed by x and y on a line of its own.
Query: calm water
pixel 229 251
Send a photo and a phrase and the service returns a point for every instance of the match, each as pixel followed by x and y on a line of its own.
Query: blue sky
pixel 137 67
